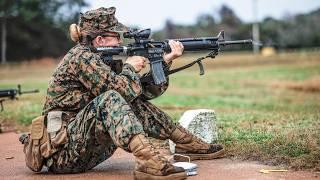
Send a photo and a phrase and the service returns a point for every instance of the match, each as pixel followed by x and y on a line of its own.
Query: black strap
pixel 185 66
pixel 149 78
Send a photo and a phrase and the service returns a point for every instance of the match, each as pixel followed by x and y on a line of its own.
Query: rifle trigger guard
pixel 200 67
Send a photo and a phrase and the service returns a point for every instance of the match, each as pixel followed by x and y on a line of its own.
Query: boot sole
pixel 218 154
pixel 144 176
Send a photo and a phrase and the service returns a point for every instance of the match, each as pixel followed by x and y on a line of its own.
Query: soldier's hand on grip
pixel 138 62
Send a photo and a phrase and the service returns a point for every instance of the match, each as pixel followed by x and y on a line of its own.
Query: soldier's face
pixel 107 39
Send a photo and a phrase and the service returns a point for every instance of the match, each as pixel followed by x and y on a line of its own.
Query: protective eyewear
pixel 112 35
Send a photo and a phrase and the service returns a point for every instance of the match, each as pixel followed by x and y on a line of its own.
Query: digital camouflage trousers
pixel 106 123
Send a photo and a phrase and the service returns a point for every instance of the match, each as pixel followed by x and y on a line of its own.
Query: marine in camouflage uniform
pixel 105 109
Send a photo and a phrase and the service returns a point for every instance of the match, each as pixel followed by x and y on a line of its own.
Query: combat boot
pixel 150 164
pixel 189 145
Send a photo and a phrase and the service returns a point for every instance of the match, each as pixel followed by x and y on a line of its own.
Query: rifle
pixel 12 94
pixel 154 50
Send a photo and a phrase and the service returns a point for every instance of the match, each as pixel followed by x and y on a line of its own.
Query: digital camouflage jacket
pixel 82 75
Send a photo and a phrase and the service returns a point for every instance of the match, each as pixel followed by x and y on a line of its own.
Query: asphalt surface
pixel 120 167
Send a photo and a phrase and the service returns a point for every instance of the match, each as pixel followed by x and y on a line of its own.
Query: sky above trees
pixel 153 14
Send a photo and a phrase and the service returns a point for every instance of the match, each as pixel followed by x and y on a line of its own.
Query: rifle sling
pixel 149 78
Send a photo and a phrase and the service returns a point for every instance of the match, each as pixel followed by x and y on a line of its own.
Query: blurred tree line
pixel 38 28
pixel 296 31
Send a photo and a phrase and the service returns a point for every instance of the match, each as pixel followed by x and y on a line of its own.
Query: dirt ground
pixel 120 166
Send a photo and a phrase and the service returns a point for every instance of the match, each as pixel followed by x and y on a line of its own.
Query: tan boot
pixel 150 164
pixel 189 145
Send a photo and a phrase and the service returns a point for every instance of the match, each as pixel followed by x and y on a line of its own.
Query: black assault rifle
pixel 154 50
pixel 12 94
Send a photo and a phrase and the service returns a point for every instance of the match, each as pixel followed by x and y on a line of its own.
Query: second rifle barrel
pixel 30 91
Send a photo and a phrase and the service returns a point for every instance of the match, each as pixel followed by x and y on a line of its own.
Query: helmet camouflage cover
pixel 101 20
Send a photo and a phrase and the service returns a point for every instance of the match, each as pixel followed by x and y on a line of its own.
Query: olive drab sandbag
pixel 42 142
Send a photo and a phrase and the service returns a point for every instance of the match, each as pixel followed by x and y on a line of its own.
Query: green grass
pixel 258 119
pixel 260 115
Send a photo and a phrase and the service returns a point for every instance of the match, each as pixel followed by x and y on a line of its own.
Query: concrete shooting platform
pixel 120 167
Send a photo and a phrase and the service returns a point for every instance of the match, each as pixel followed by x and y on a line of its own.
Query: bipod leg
pixel 1 104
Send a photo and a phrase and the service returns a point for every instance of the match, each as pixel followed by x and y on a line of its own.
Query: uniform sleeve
pixel 99 78
pixel 150 90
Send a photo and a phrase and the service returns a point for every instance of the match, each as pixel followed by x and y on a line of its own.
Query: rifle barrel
pixel 30 91
pixel 246 41
pixel 208 43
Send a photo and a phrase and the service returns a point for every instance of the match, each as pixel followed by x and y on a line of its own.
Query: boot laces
pixel 156 153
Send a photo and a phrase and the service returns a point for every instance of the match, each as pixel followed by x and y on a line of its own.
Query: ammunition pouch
pixel 48 135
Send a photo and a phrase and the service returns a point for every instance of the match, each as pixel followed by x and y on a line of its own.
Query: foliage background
pixel 38 28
